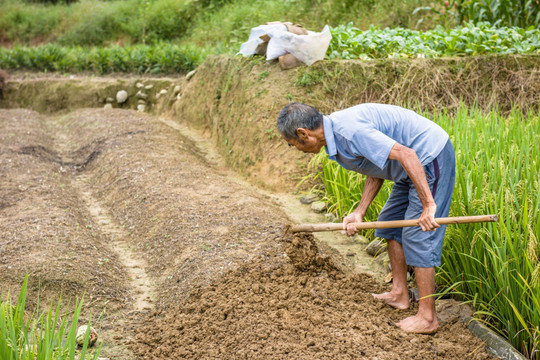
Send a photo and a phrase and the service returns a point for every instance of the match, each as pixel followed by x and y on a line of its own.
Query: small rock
pixel 309 198
pixel 108 106
pixel 350 253
pixel 81 333
pixel 141 107
pixel 330 217
pixel 141 95
pixel 178 97
pixel 148 87
pixel 384 261
pixel 376 247
pixel 139 85
pixel 121 96
pixel 361 239
pixel 161 93
pixel 141 101
pixel 176 90
pixel 109 99
pixel 190 74
pixel 318 207
pixel 414 295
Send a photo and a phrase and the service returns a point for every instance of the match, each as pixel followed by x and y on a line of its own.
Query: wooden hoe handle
pixel 393 224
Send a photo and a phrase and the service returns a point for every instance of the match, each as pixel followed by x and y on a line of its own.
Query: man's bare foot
pixel 419 325
pixel 398 301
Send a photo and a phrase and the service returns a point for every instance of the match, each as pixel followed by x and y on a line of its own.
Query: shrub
pixel 23 23
pixel 96 23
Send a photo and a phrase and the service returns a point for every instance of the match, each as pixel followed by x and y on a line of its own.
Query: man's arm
pixel 371 189
pixel 410 162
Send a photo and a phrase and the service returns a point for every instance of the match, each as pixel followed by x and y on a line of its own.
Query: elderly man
pixel 386 142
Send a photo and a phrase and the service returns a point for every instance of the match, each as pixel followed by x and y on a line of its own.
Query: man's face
pixel 309 145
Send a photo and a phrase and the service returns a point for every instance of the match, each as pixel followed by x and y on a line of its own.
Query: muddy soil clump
pixel 272 310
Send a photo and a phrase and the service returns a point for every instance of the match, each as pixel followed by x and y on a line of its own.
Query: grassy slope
pixel 206 23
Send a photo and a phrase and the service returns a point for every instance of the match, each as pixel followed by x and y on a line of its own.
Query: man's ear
pixel 302 133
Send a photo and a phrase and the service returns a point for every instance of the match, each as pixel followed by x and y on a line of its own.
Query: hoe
pixel 392 224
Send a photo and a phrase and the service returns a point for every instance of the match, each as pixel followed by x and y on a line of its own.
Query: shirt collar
pixel 330 146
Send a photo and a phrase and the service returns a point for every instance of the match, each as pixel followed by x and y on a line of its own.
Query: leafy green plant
pixel 496 266
pixel 349 42
pixel 48 336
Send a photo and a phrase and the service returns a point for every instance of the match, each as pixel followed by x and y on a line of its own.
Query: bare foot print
pixel 418 325
pixel 397 301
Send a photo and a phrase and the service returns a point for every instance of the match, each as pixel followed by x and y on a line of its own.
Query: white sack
pixel 307 48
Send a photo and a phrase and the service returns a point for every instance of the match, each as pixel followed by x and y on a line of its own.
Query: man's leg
pixel 398 297
pixel 425 321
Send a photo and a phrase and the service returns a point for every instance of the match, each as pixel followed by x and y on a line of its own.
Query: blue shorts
pixel 421 248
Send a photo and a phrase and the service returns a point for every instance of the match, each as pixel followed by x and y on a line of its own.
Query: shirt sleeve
pixel 372 144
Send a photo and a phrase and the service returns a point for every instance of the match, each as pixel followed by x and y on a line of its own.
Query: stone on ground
pixel 121 96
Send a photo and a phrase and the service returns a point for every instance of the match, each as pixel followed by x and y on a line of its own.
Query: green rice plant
pixel 521 13
pixel 494 266
pixel 24 336
pixel 157 58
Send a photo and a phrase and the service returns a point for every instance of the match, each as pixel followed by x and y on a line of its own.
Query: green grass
pixel 24 336
pixel 495 266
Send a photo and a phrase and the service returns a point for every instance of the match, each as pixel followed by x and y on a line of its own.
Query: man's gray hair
pixel 298 115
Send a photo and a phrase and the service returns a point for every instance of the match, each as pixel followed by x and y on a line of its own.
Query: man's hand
pixel 427 219
pixel 348 222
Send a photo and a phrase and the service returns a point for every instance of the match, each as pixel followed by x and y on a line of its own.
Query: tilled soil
pixel 187 261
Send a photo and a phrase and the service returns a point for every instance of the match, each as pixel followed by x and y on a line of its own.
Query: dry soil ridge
pixel 140 283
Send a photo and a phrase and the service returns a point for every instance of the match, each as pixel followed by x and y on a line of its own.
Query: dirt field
pixel 187 261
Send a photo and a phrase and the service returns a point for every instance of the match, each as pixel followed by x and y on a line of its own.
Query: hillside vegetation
pixel 95 22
